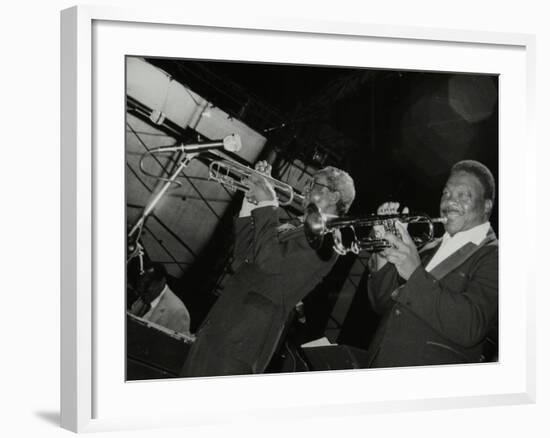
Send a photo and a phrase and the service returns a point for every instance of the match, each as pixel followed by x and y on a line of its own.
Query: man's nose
pixel 450 202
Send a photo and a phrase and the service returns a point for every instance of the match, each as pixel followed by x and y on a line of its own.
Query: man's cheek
pixel 315 197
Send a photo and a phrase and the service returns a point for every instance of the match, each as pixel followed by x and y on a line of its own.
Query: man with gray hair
pixel 439 303
pixel 274 269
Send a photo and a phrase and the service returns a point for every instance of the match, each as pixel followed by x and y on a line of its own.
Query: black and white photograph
pixel 290 218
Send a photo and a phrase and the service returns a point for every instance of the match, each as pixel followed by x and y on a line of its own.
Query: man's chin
pixel 452 226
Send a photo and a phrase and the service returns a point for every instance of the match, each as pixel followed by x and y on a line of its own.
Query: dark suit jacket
pixel 274 270
pixel 437 317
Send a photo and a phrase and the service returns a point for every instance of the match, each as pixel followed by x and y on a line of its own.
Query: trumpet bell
pixel 315 226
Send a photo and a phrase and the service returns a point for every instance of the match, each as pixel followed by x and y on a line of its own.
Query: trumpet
pixel 231 173
pixel 317 226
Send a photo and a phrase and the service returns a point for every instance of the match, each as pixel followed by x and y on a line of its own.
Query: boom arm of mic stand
pixel 157 197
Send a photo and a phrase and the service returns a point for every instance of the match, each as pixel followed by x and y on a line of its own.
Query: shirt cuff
pixel 247 207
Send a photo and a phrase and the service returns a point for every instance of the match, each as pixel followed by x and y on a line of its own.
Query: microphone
pixel 231 143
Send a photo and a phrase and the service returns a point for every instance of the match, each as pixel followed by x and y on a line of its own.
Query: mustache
pixel 451 210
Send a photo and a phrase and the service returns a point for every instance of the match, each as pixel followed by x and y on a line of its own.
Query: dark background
pixel 396 132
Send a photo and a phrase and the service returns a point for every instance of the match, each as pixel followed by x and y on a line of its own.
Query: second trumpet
pixel 316 226
pixel 231 174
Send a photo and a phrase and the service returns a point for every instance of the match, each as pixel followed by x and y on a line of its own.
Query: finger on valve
pixel 404 233
pixel 263 167
pixel 395 241
pixel 384 209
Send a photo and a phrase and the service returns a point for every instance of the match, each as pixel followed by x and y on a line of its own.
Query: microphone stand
pixel 138 227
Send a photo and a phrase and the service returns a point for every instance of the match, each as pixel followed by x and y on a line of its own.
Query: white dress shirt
pixel 247 207
pixel 451 244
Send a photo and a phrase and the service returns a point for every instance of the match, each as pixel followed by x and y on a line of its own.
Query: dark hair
pixel 481 172
pixel 159 270
pixel 153 279
pixel 340 181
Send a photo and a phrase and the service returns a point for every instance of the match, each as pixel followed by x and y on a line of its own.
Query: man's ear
pixel 488 207
pixel 335 197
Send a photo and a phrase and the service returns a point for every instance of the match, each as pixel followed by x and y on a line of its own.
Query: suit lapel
pixel 460 256
pixel 454 260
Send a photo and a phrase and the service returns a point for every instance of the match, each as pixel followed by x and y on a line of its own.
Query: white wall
pixel 29 99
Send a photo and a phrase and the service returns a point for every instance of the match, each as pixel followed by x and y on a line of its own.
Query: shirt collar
pixel 474 235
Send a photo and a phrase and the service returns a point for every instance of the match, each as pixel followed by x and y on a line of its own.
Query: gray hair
pixel 340 181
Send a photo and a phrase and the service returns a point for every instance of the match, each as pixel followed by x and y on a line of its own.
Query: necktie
pixel 140 307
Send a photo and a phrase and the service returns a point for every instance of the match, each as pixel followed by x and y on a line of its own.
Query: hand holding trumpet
pixel 403 253
pixel 259 189
pixel 378 260
pixel 387 208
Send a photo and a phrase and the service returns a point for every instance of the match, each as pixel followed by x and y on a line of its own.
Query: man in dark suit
pixel 439 304
pixel 274 269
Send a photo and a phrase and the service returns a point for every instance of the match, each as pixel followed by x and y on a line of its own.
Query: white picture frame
pixel 93 397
